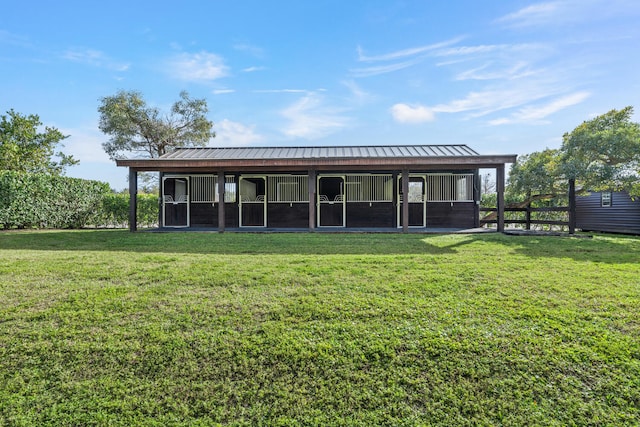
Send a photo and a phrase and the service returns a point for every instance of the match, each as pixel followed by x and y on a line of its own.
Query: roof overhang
pixel 284 164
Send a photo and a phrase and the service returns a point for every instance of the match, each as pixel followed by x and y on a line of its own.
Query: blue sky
pixel 505 77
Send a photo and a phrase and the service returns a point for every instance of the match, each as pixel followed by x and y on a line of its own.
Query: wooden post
pixel 528 216
pixel 572 206
pixel 160 199
pixel 500 191
pixel 477 198
pixel 133 200
pixel 311 181
pixel 405 201
pixel 221 185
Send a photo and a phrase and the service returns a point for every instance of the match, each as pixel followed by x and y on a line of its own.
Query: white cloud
pixel 412 55
pixel 223 91
pixel 489 71
pixel 537 113
pixel 94 58
pixel 310 119
pixel 486 49
pixel 404 113
pixel 198 67
pixel 381 69
pixel 403 53
pixel 252 69
pixel 531 15
pixel 281 91
pixel 567 12
pixel 235 134
pixel 357 92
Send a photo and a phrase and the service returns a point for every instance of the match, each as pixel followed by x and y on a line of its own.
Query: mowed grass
pixel 114 328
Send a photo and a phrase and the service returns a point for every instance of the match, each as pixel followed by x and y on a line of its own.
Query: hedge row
pixel 115 210
pixel 47 201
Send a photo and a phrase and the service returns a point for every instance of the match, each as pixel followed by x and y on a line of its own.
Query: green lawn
pixel 113 328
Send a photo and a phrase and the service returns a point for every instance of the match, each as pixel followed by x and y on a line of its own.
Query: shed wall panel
pixel 623 216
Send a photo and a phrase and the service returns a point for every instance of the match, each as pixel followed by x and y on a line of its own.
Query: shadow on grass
pixel 608 249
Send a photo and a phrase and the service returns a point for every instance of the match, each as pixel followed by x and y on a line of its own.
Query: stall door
pixel 331 203
pixel 253 201
pixel 417 209
pixel 175 201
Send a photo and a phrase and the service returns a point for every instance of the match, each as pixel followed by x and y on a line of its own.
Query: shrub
pixel 30 200
pixel 115 210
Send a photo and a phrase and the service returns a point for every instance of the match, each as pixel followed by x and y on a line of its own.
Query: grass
pixel 113 328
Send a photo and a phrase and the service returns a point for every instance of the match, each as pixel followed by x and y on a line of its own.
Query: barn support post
pixel 312 199
pixel 477 197
pixel 572 206
pixel 500 191
pixel 133 199
pixel 405 200
pixel 221 186
pixel 160 199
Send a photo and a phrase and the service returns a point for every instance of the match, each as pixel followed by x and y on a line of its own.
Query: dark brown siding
pixel 450 215
pixel 206 215
pixel 623 216
pixel 365 214
pixel 288 215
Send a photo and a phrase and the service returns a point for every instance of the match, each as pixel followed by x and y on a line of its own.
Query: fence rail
pixel 528 221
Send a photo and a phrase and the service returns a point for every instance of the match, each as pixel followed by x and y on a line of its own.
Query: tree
pixel 603 154
pixel 136 128
pixel 24 147
pixel 536 176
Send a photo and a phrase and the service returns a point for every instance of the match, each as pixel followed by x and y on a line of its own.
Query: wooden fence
pixel 528 221
pixel 570 216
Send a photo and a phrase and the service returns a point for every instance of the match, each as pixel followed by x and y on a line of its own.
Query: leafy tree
pixel 536 176
pixel 24 147
pixel 136 128
pixel 603 154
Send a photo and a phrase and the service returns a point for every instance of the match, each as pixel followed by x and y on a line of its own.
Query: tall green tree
pixel 603 154
pixel 26 147
pixel 138 129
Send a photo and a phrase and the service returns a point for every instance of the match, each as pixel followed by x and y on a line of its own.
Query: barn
pixel 612 212
pixel 398 187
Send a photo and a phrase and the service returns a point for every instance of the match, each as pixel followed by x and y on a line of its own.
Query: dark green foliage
pixel 51 201
pixel 115 210
pixel 24 147
pixel 48 201
pixel 136 128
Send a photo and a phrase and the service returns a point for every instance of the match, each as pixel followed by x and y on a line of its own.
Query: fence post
pixel 572 206
pixel 528 216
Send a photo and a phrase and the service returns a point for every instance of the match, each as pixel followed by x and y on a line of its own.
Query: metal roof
pixel 322 152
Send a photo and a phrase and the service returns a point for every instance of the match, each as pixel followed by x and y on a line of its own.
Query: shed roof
pixel 326 152
pixel 372 157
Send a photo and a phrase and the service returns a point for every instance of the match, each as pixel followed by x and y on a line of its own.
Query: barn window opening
pixel 369 188
pixel 605 200
pixel 288 188
pixel 450 187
